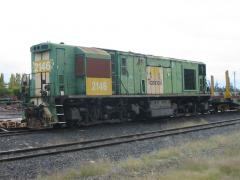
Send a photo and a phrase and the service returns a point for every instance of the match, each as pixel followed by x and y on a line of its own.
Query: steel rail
pixel 104 142
pixel 22 132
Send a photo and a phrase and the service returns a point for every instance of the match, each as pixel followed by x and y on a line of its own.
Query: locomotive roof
pixel 91 52
pixel 154 57
pixel 104 53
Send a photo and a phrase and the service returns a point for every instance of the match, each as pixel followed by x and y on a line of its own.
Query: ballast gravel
pixel 59 136
pixel 40 166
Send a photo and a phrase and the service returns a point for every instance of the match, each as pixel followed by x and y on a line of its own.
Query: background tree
pixel 18 81
pixel 15 84
pixel 12 82
pixel 3 90
pixel 2 81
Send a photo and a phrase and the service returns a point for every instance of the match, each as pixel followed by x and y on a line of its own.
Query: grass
pixel 188 123
pixel 148 161
pixel 91 169
pixel 186 162
pixel 213 169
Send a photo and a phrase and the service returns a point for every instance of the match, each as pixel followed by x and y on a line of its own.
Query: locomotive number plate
pixel 98 86
pixel 42 66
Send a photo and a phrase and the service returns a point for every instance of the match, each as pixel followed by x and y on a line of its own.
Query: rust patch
pixel 99 68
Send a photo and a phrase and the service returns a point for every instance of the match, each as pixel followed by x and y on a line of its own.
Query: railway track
pixel 5 132
pixel 97 143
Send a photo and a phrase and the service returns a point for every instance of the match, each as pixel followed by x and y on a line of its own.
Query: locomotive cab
pixel 37 87
pixel 58 71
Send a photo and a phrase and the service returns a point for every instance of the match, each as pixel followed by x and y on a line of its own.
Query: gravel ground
pixel 100 131
pixel 31 168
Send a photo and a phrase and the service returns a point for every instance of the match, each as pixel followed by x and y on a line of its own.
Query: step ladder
pixel 60 112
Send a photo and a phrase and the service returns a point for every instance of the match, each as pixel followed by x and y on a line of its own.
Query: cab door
pixel 60 58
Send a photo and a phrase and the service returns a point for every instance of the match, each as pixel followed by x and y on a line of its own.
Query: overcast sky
pixel 201 30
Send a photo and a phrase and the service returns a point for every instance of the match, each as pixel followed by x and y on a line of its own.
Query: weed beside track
pixel 215 158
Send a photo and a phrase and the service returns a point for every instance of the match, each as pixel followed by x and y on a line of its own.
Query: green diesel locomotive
pixel 77 86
